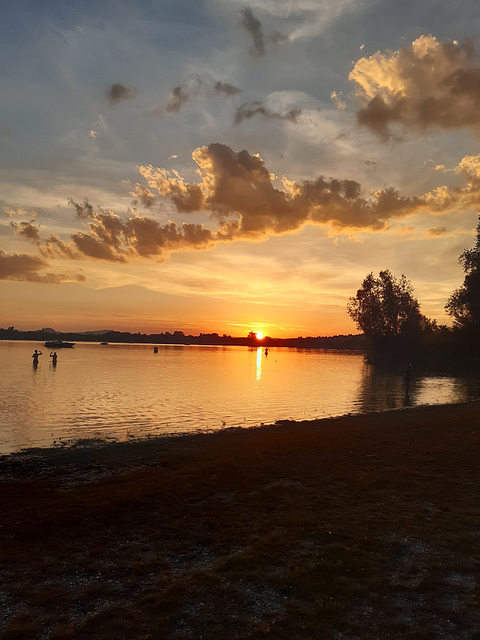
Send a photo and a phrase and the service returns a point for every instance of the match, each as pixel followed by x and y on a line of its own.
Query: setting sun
pixel 259 335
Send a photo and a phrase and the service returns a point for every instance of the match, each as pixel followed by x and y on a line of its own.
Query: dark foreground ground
pixel 363 527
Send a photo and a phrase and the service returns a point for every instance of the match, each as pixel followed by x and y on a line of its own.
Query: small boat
pixel 58 344
pixel 103 342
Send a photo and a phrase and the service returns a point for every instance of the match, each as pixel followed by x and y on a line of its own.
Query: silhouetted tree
pixel 464 303
pixel 387 313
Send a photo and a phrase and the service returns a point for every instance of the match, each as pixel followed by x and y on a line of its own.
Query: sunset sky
pixel 221 166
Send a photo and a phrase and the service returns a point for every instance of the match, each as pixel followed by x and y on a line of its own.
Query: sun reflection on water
pixel 259 364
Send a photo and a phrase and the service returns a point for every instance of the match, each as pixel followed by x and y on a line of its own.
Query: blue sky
pixel 161 161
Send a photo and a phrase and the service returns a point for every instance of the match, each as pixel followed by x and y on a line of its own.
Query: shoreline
pixel 120 455
pixel 360 526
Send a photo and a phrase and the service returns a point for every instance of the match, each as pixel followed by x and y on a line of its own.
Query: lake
pixel 123 391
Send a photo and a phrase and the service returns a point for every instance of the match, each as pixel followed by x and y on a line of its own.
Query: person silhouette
pixel 407 376
pixel 35 357
pixel 54 356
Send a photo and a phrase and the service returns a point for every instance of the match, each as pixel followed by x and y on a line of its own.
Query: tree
pixel 387 313
pixel 464 303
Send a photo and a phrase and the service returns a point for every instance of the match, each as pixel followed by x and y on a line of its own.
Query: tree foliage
pixel 464 303
pixel 386 311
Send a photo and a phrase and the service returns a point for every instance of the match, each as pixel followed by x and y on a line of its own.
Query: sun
pixel 259 335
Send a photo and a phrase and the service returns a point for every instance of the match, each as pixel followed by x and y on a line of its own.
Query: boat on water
pixel 58 344
pixel 105 343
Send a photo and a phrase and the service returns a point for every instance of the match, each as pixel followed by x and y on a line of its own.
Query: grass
pixel 357 527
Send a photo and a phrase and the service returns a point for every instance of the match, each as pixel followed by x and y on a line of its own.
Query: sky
pixel 216 166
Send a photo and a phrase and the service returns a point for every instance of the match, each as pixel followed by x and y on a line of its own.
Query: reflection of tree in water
pixel 381 389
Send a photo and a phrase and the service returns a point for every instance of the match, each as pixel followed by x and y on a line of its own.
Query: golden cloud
pixel 430 84
pixel 27 230
pixel 237 192
pixel 437 232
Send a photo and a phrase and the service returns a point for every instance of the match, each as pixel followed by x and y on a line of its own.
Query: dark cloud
pixel 118 92
pixel 84 210
pixel 254 28
pixel 54 247
pixel 238 192
pixel 430 84
pixel 225 88
pixel 436 232
pixel 115 240
pixel 104 240
pixel 144 195
pixel 180 96
pixel 97 245
pixel 23 267
pixel 196 85
pixel 378 116
pixel 27 230
pixel 255 108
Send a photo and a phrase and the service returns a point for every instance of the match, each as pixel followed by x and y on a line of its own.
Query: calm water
pixel 123 391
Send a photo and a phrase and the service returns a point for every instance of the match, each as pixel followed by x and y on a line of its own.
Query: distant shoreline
pixel 350 341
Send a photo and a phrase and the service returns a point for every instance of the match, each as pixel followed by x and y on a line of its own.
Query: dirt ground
pixel 360 527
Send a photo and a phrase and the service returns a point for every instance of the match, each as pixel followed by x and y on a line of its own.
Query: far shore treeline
pixel 353 342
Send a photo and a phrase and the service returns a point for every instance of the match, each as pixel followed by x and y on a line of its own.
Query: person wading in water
pixel 35 357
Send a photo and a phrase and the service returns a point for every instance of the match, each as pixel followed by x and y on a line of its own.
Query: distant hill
pixel 100 332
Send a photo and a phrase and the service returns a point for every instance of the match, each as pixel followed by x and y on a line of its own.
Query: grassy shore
pixel 360 527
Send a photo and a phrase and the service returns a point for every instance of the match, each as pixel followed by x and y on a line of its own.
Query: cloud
pixel 84 210
pixel 338 100
pixel 225 88
pixel 27 230
pixel 144 195
pixel 54 247
pixel 19 212
pixel 436 232
pixel 247 111
pixel 118 92
pixel 430 84
pixel 238 193
pixel 237 190
pixel 182 95
pixel 253 26
pixel 112 239
pixel 23 267
pixel 194 86
pixel 280 38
